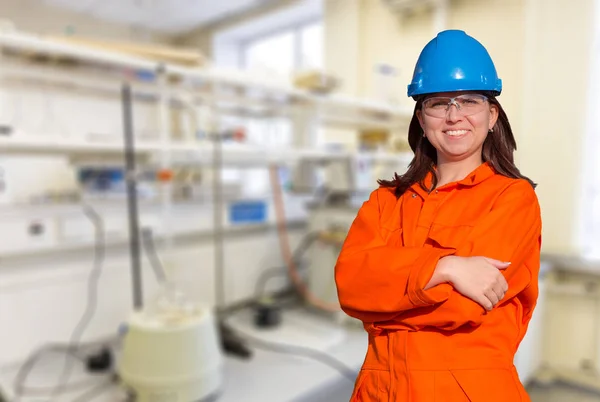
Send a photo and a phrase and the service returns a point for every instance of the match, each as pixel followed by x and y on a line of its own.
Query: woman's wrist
pixel 442 273
pixel 445 268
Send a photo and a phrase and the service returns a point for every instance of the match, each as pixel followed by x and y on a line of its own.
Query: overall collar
pixel 481 173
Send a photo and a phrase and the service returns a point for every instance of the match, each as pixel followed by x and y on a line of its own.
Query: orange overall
pixel 437 345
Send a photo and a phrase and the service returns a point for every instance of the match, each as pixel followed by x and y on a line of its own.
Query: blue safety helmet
pixel 454 61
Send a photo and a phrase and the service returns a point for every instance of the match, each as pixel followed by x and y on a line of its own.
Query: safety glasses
pixel 466 104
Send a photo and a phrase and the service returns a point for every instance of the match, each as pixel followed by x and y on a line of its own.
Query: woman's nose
pixel 452 114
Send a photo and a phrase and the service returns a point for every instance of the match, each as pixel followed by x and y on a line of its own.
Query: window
pixel 311 46
pixel 283 52
pixel 276 55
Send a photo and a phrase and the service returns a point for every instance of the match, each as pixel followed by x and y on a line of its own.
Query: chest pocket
pixel 448 236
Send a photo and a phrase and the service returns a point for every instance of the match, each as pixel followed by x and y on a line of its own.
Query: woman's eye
pixel 439 104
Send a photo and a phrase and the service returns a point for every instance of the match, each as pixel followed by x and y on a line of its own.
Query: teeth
pixel 456 132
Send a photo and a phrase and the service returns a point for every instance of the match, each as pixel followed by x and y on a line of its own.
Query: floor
pixel 561 393
pixel 552 393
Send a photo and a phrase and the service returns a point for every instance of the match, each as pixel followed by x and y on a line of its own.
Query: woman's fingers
pixel 485 302
pixel 492 296
pixel 497 263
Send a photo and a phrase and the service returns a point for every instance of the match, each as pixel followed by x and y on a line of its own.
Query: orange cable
pixel 284 244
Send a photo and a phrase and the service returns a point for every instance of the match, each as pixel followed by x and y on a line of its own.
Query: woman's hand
pixel 478 278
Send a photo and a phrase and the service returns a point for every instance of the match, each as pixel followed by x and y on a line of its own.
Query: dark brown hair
pixel 498 149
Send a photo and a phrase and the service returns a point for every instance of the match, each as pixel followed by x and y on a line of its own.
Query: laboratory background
pixel 177 178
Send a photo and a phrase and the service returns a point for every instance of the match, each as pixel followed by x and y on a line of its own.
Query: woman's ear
pixel 493 116
pixel 420 118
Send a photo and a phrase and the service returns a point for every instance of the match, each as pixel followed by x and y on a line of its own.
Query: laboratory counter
pixel 267 376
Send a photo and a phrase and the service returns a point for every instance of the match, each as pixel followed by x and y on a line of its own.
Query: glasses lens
pixel 465 104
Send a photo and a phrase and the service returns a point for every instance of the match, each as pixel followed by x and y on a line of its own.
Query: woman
pixel 441 263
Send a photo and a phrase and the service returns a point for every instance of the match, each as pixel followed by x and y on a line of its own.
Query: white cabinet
pixel 24 234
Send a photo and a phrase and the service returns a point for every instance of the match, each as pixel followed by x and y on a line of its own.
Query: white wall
pixel 557 66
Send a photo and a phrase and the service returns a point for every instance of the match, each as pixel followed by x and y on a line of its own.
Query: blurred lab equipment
pixel 316 81
pixel 347 182
pixel 171 348
pixel 171 351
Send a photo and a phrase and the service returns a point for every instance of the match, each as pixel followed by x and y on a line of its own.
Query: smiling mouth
pixel 456 133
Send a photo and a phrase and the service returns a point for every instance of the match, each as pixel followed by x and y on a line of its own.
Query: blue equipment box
pixel 248 212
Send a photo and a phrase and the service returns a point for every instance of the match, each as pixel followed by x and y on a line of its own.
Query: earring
pixel 491 130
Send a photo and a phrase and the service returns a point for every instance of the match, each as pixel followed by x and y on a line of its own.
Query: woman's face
pixel 457 131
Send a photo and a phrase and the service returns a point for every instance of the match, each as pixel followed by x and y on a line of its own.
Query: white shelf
pixel 572 263
pixel 45 144
pixel 74 79
pixel 194 153
pixel 35 44
pixel 279 98
pixel 246 81
pixel 332 109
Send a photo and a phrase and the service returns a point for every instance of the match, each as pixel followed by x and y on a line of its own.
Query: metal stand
pixel 230 341
pixel 218 236
pixel 132 200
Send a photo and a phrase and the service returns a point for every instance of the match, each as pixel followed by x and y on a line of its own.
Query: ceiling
pixel 167 16
pixel 299 12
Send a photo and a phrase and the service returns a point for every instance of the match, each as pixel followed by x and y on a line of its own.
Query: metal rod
pixel 218 219
pixel 166 187
pixel 132 201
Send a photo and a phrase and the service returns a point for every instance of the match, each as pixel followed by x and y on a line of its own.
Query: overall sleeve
pixel 376 281
pixel 510 232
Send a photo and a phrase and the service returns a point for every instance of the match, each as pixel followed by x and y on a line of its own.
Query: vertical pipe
pixel 165 187
pixel 218 205
pixel 8 129
pixel 440 16
pixel 596 357
pixel 132 201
